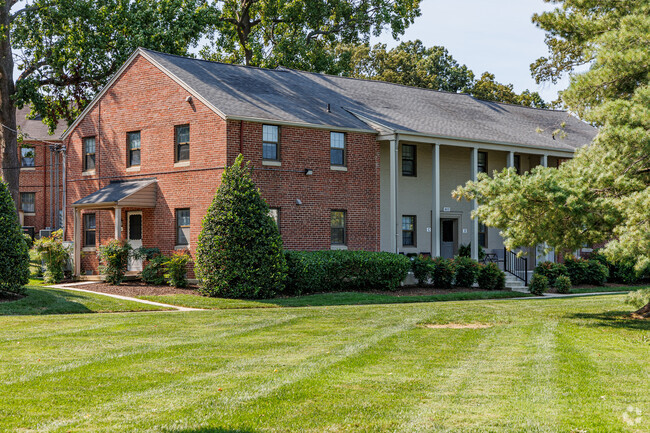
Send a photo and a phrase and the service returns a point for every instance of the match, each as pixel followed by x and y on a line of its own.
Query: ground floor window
pixel 28 202
pixel 408 230
pixel 182 227
pixel 338 227
pixel 482 235
pixel 89 230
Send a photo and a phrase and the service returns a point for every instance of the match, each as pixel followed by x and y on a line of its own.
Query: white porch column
pixel 394 211
pixel 550 256
pixel 76 230
pixel 435 200
pixel 511 159
pixel 118 222
pixel 544 160
pixel 474 172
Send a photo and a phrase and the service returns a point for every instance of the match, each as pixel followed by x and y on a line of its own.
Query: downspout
pixel 50 148
pixel 397 224
pixel 56 190
pixel 64 167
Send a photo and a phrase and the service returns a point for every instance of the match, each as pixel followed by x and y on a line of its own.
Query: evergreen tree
pixel 14 254
pixel 239 253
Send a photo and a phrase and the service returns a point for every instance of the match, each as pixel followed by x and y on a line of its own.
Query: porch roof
pixel 134 193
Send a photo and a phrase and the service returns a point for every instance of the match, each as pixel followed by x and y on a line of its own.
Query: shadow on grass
pixel 44 301
pixel 613 319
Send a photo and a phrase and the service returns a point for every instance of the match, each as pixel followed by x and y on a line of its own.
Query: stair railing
pixel 517 266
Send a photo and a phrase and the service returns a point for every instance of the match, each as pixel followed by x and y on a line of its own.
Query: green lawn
pixel 604 289
pixel 326 299
pixel 555 365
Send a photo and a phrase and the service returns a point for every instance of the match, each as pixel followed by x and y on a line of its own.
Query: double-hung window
pixel 182 227
pixel 482 162
pixel 270 142
pixel 337 227
pixel 182 133
pixel 28 202
pixel 89 230
pixel 133 148
pixel 337 149
pixel 89 153
pixel 409 160
pixel 408 230
pixel 27 155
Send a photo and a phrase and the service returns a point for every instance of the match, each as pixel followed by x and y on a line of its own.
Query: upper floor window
pixel 27 156
pixel 482 162
pixel 337 227
pixel 89 230
pixel 89 153
pixel 182 143
pixel 28 202
pixel 408 160
pixel 182 227
pixel 408 230
pixel 337 148
pixel 270 142
pixel 133 148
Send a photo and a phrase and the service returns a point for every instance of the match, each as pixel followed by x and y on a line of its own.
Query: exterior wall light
pixel 309 172
pixel 298 201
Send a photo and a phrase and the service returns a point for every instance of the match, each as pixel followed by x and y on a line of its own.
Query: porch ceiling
pixel 136 193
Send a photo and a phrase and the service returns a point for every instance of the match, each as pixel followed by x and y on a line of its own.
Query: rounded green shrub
pixel 538 284
pixel 14 253
pixel 577 269
pixel 597 273
pixel 239 252
pixel 466 271
pixel 490 277
pixel 55 255
pixel 442 273
pixel 153 271
pixel 563 284
pixel 551 271
pixel 176 269
pixel 422 267
pixel 114 260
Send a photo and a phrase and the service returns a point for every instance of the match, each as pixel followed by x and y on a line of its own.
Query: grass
pixel 550 365
pixel 41 300
pixel 326 299
pixel 605 289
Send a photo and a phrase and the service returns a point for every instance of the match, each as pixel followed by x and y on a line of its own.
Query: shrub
pixel 176 268
pixel 114 259
pixel 55 255
pixel 563 284
pixel 466 251
pixel 239 252
pixel 335 271
pixel 551 271
pixel 490 277
pixel 154 271
pixel 442 273
pixel 422 267
pixel 577 270
pixel 14 254
pixel 466 271
pixel 538 284
pixel 597 273
pixel 638 298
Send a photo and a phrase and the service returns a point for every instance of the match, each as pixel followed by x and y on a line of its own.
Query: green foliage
pixel 422 267
pixel 239 252
pixel 577 269
pixel 466 251
pixel 551 271
pixel 14 254
pixel 145 253
pixel 337 271
pixel 28 240
pixel 442 273
pixel 466 271
pixel 597 273
pixel 539 284
pixel 488 89
pixel 490 277
pixel 55 255
pixel 176 268
pixel 638 298
pixel 563 284
pixel 153 272
pixel 114 260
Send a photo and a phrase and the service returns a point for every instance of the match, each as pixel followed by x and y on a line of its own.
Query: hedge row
pixel 578 271
pixel 460 271
pixel 336 271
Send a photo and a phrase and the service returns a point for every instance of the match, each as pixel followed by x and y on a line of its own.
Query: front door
pixel 134 232
pixel 448 238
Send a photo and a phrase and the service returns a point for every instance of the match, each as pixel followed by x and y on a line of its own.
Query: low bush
pixel 336 271
pixel 55 255
pixel 563 284
pixel 621 272
pixel 597 273
pixel 538 284
pixel 422 268
pixel 638 298
pixel 578 270
pixel 442 273
pixel 14 254
pixel 176 268
pixel 114 260
pixel 551 271
pixel 466 271
pixel 490 277
pixel 154 271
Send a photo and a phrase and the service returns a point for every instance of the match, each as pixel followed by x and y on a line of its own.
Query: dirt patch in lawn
pixel 137 288
pixel 458 325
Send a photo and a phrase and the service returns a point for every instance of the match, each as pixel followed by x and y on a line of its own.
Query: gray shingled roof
pixel 35 129
pixel 302 97
pixel 112 193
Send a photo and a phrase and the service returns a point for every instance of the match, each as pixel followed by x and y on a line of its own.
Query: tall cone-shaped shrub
pixel 239 253
pixel 14 254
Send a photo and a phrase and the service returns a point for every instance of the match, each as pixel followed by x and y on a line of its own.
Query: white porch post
pixel 474 172
pixel 550 256
pixel 76 230
pixel 393 220
pixel 544 160
pixel 511 159
pixel 118 222
pixel 435 200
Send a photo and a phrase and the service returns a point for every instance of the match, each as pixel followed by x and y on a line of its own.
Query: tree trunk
pixel 8 138
pixel 643 312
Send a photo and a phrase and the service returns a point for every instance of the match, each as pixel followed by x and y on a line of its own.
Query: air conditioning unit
pixel 45 233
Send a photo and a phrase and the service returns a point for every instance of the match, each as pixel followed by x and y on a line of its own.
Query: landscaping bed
pixel 138 288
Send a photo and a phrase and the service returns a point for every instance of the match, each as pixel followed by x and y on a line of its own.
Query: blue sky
pixel 496 36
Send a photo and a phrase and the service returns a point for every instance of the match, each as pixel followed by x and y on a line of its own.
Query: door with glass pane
pixel 448 237
pixel 134 237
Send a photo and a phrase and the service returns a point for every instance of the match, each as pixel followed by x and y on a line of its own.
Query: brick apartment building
pixel 342 163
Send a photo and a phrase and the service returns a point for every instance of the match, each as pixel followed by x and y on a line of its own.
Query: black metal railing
pixel 517 266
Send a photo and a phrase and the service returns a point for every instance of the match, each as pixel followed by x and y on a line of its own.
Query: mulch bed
pixel 10 297
pixel 137 288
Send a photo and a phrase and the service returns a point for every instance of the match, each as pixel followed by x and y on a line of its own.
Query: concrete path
pixel 73 287
pixel 567 295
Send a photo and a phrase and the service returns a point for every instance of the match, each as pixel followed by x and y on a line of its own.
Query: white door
pixel 134 237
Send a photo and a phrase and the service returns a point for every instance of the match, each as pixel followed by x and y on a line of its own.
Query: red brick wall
pixel 145 99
